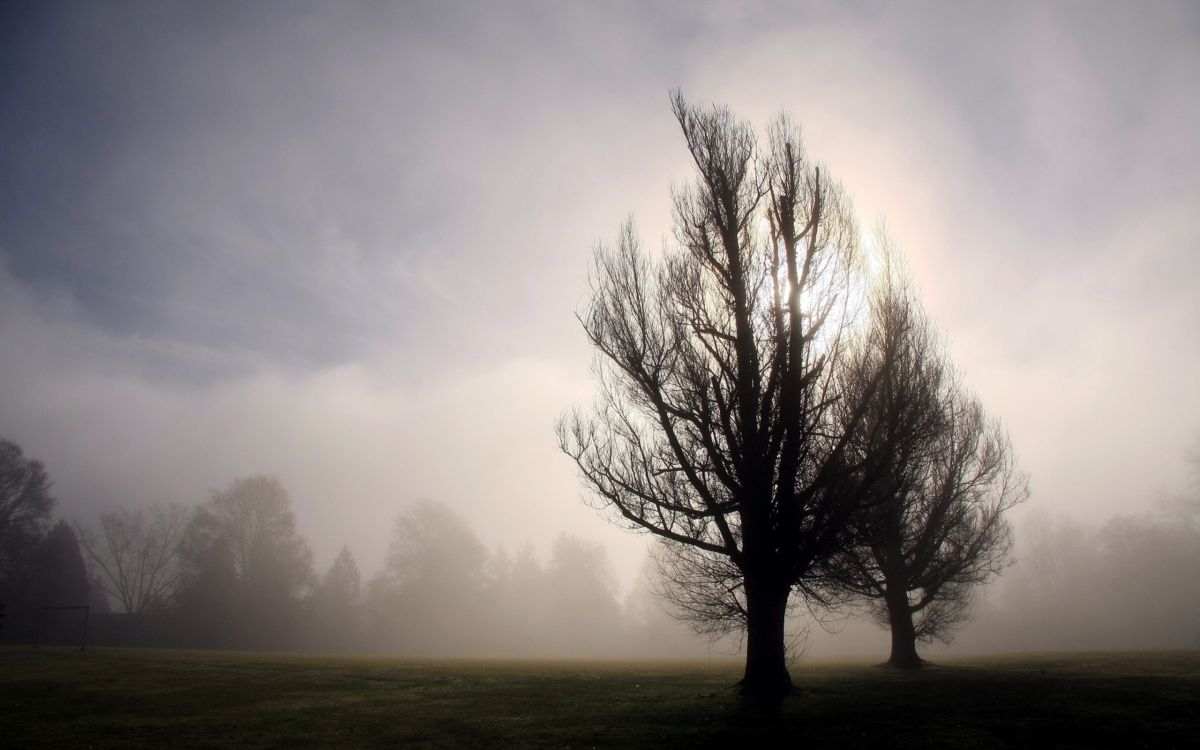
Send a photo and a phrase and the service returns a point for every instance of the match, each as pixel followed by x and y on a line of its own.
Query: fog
pixel 342 247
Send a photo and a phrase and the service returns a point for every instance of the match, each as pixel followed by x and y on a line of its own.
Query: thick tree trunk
pixel 766 661
pixel 904 635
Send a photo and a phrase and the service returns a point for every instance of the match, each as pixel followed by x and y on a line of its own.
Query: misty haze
pixel 525 374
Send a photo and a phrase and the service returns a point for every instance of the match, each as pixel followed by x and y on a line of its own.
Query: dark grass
pixel 106 698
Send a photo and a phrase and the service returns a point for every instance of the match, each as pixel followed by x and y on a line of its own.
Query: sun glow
pixel 835 297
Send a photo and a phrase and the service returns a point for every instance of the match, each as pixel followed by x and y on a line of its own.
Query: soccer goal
pixel 60 625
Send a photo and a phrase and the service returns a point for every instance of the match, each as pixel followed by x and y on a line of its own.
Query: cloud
pixel 343 245
pixel 353 444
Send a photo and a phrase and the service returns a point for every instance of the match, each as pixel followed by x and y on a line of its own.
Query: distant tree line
pixel 1129 582
pixel 234 573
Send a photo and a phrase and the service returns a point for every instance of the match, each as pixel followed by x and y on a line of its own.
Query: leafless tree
pixel 1185 507
pixel 721 418
pixel 136 553
pixel 937 528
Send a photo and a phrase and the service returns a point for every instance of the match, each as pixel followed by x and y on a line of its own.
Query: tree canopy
pixel 936 527
pixel 25 507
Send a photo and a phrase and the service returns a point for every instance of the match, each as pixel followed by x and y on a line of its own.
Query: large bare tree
pixel 936 528
pixel 136 553
pixel 724 414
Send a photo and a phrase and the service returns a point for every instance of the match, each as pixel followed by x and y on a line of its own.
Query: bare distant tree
pixel 721 421
pixel 1185 507
pixel 937 528
pixel 136 553
pixel 25 505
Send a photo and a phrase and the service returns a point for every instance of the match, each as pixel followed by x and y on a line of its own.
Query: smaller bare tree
pixel 936 529
pixel 136 554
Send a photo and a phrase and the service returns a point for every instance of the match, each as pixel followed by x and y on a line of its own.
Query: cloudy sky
pixel 343 244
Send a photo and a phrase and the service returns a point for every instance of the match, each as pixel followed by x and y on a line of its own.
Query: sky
pixel 343 244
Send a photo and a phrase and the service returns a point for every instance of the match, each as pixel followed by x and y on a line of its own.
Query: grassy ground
pixel 106 698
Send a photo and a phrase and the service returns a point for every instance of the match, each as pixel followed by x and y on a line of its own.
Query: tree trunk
pixel 766 661
pixel 904 635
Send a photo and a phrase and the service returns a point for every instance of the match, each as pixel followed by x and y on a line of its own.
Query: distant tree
pixel 1126 583
pixel 241 552
pixel 1149 565
pixel 1185 506
pixel 253 519
pixel 432 546
pixel 583 617
pixel 342 584
pixel 336 604
pixel 428 598
pixel 136 553
pixel 936 529
pixel 720 423
pixel 209 601
pixel 58 576
pixel 25 506
pixel 518 603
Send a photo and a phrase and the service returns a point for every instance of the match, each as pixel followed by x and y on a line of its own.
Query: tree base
pixel 906 663
pixel 763 702
pixel 778 687
pixel 763 698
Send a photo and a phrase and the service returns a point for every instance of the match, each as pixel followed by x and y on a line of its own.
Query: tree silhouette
pixel 243 556
pixel 336 604
pixel 58 577
pixel 429 596
pixel 724 416
pixel 583 616
pixel 25 505
pixel 1185 507
pixel 936 529
pixel 136 553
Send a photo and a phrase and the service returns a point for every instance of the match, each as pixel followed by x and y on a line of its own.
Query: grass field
pixel 106 698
